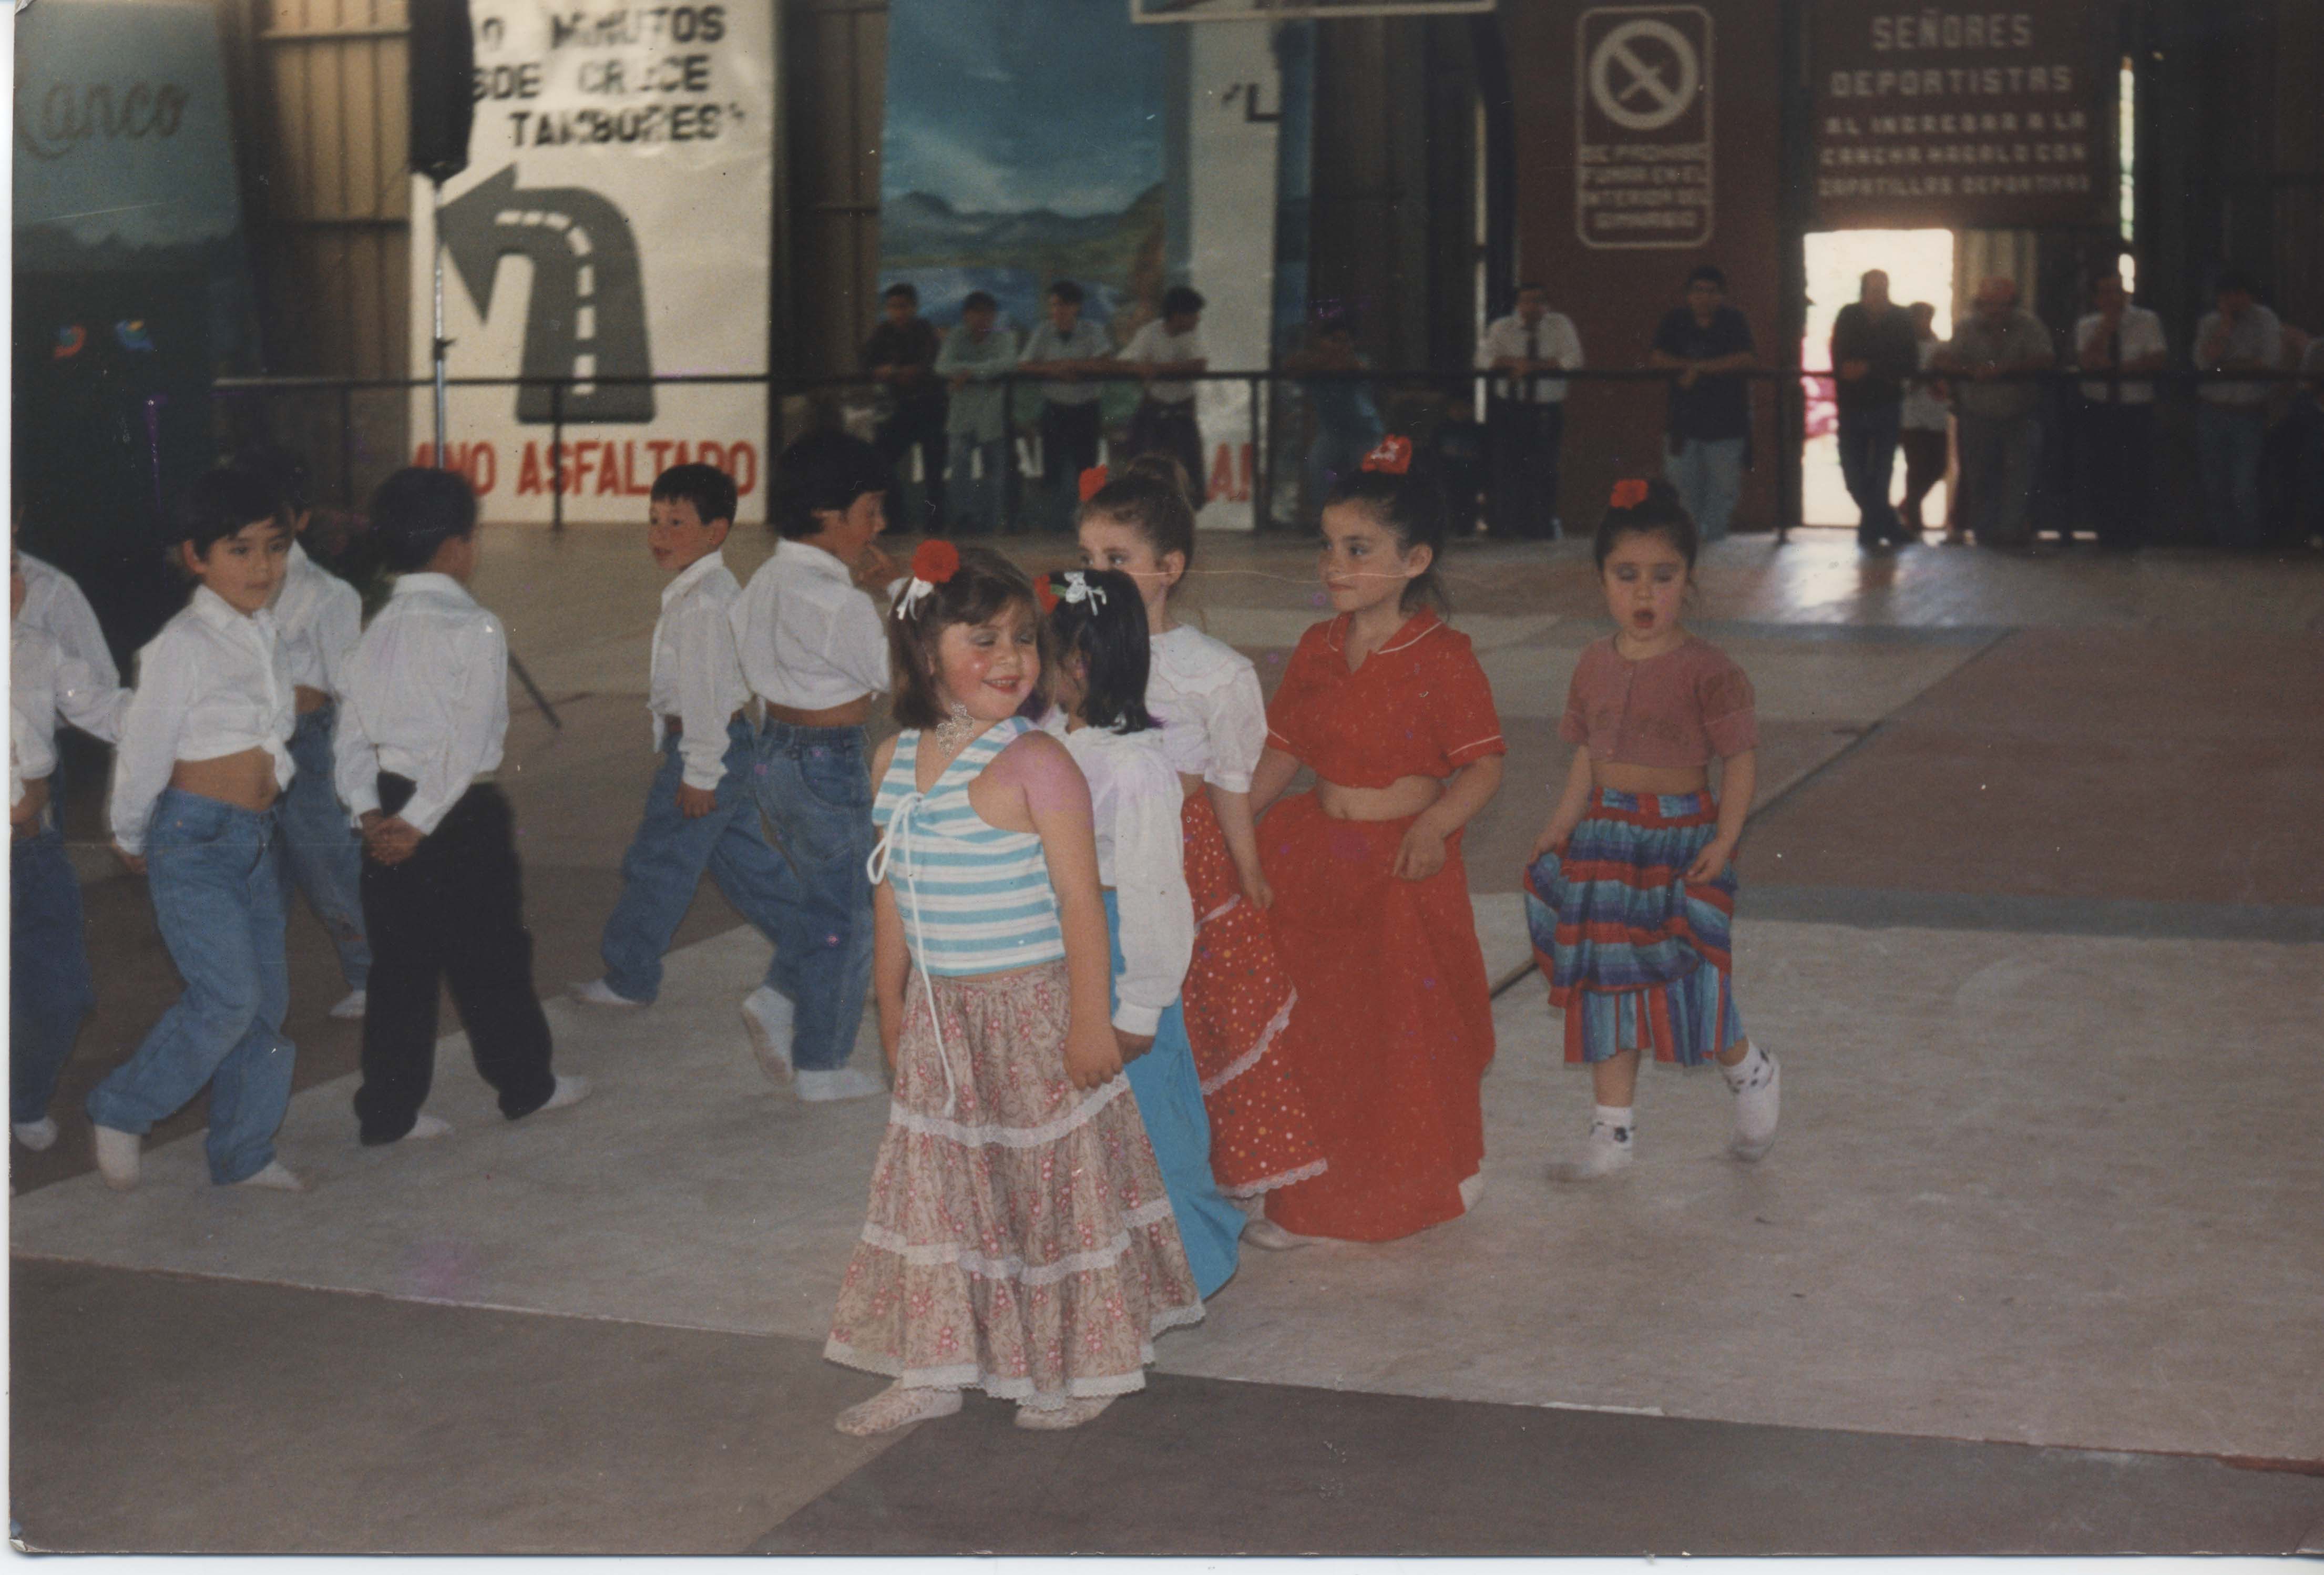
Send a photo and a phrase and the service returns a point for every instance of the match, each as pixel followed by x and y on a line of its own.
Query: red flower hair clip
pixel 1045 593
pixel 1629 493
pixel 936 562
pixel 1093 481
pixel 1392 457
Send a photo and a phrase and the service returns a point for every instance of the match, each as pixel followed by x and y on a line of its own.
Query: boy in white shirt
pixel 50 989
pixel 419 741
pixel 202 758
pixel 700 814
pixel 318 618
pixel 815 650
pixel 1166 349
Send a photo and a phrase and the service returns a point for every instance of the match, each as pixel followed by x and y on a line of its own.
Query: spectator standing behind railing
pixel 2231 423
pixel 1708 442
pixel 2114 340
pixel 1526 416
pixel 1348 423
pixel 1068 352
pixel 1998 411
pixel 1926 429
pixel 901 355
pixel 975 355
pixel 1169 348
pixel 1873 350
pixel 2307 422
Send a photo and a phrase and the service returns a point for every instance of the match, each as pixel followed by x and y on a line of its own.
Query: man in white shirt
pixel 318 619
pixel 1525 413
pixel 2115 340
pixel 1072 352
pixel 1164 351
pixel 700 814
pixel 2231 418
pixel 418 741
pixel 815 650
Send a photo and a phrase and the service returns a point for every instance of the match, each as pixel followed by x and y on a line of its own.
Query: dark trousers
pixel 1069 439
pixel 1867 461
pixel 916 424
pixel 2112 465
pixel 1924 468
pixel 451 914
pixel 1525 439
pixel 1171 430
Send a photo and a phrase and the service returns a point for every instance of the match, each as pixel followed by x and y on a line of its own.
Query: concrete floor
pixel 2027 908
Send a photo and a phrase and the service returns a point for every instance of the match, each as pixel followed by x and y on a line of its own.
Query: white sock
pixel 1751 1072
pixel 1618 1121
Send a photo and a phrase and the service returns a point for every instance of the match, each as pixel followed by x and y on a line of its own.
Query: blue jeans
pixel 1708 476
pixel 49 990
pixel 815 788
pixel 1867 461
pixel 2228 440
pixel 211 870
pixel 976 498
pixel 321 854
pixel 667 859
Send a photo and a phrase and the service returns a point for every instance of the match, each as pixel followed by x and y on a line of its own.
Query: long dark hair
pixel 1106 629
pixel 1412 507
pixel 985 585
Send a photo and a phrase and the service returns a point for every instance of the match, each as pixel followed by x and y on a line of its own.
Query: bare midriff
pixel 246 780
pixel 851 715
pixel 307 700
pixel 1406 795
pixel 1623 777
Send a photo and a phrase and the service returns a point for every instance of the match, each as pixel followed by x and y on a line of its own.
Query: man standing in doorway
pixel 1706 342
pixel 2231 422
pixel 1874 349
pixel 902 357
pixel 1525 417
pixel 1998 410
pixel 2113 341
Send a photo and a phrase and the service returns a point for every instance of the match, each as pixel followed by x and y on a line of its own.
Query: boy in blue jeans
pixel 700 814
pixel 815 650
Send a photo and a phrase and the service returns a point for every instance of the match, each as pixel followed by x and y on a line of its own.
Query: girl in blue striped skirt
pixel 1630 888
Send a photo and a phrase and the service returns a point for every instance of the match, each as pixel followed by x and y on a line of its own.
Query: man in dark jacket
pixel 1874 349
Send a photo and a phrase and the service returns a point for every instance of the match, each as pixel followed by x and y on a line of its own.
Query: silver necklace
pixel 953 733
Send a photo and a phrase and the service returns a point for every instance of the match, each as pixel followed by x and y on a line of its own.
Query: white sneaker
pixel 598 993
pixel 767 1018
pixel 1609 1149
pixel 275 1178
pixel 1264 1233
pixel 424 1126
pixel 897 1406
pixel 1758 1085
pixel 1058 1418
pixel 1471 1191
pixel 840 1082
pixel 117 1157
pixel 38 1135
pixel 350 1010
pixel 569 1091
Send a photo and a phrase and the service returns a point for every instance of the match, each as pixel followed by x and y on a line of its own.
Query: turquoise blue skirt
pixel 1170 1099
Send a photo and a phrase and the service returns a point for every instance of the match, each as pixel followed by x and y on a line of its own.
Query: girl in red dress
pixel 1388 705
pixel 1238 1002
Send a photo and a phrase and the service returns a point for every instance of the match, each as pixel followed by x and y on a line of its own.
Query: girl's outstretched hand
pixel 1093 1058
pixel 1710 863
pixel 1551 841
pixel 1421 856
pixel 1256 892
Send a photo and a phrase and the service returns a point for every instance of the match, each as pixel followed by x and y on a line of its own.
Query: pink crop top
pixel 1675 709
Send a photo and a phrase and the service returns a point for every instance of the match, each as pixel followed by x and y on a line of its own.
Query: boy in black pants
pixel 420 736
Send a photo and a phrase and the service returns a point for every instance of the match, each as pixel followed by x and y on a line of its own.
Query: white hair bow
pixel 1078 589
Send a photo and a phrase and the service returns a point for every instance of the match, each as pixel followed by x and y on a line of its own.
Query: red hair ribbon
pixel 1629 493
pixel 1093 481
pixel 1046 594
pixel 936 561
pixel 1392 457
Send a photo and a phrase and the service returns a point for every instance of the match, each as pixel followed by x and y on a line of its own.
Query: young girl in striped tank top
pixel 1019 1239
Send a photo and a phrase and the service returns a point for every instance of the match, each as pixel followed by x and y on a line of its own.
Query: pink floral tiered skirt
pixel 1019 1242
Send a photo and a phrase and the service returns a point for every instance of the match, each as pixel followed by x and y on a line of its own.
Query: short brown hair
pixel 985 585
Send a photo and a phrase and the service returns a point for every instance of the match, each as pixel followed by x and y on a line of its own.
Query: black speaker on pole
pixel 443 57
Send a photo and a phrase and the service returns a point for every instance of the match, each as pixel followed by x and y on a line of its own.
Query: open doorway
pixel 1920 267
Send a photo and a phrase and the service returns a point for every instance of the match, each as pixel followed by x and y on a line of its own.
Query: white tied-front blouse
pixel 1134 797
pixel 694 672
pixel 1205 695
pixel 427 698
pixel 318 618
pixel 211 684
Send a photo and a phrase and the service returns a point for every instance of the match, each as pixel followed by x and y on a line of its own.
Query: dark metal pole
pixel 1257 460
pixel 348 445
pixel 557 456
pixel 1008 477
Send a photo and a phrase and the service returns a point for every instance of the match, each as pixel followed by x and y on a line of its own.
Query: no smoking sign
pixel 1642 126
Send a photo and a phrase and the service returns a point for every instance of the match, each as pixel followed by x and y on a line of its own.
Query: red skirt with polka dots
pixel 1239 1006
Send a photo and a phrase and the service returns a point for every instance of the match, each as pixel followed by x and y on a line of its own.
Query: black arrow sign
pixel 588 315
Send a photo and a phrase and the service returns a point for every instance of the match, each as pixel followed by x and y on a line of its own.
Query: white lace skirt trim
pixel 984 1135
pixel 969 1376
pixel 960 1255
pixel 1268 1184
pixel 1252 1057
pixel 1220 911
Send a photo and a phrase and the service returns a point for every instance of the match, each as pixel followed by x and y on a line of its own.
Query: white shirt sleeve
pixel 355 761
pixel 1149 874
pixel 339 624
pixel 482 683
pixel 77 630
pixel 706 645
pixel 1238 729
pixel 88 700
pixel 751 616
pixel 1564 341
pixel 855 642
pixel 147 747
pixel 1486 352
